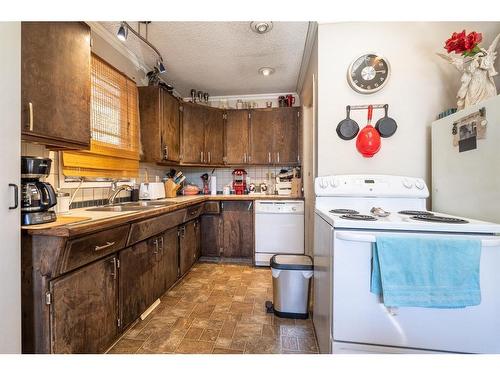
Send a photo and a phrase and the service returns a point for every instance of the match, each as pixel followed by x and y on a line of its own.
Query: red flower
pixel 461 43
pixel 456 43
pixel 472 40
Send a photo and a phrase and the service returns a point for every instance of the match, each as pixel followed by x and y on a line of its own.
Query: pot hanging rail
pixel 368 139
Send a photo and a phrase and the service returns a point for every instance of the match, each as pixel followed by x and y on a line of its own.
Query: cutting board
pixel 61 220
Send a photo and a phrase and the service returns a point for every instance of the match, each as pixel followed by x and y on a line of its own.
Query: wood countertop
pixel 101 220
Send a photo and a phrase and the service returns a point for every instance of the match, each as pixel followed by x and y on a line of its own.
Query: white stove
pixel 347 317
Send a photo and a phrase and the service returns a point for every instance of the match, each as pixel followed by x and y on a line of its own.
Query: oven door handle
pixel 356 237
pixel 490 243
pixel 369 238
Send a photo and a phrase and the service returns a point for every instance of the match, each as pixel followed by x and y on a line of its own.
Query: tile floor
pixel 219 309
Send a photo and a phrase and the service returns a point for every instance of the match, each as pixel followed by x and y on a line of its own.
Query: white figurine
pixel 477 75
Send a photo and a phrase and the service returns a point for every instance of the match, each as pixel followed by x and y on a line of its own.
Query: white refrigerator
pixel 10 219
pixel 466 162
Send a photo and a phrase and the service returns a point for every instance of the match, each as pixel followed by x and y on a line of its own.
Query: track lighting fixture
pixel 122 34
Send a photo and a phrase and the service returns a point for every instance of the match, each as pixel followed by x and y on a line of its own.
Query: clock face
pixel 368 73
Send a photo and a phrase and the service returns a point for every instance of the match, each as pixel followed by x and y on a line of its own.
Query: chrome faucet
pixel 115 190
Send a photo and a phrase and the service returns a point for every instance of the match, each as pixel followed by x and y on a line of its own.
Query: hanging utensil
pixel 368 141
pixel 347 129
pixel 386 126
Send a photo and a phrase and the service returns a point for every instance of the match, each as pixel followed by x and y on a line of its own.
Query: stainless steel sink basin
pixel 131 206
pixel 118 208
pixel 149 204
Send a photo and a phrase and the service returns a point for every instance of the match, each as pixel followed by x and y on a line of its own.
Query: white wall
pixel 420 87
pixel 10 144
pixel 308 98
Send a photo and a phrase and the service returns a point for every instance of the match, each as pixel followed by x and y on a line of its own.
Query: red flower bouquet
pixel 464 44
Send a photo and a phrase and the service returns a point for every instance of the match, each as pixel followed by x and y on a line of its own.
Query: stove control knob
pixel 323 183
pixel 419 184
pixel 407 183
pixel 333 182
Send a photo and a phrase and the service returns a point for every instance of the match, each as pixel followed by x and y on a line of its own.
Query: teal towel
pixel 426 271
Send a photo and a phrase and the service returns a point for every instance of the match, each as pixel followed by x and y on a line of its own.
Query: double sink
pixel 131 206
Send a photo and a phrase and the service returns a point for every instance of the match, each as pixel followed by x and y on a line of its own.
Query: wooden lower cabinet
pixel 211 232
pixel 189 245
pixel 147 270
pixel 169 262
pixel 238 228
pixel 84 308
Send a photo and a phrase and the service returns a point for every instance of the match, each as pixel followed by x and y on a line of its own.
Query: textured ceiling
pixel 222 58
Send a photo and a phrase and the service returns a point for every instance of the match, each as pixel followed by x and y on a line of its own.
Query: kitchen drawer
pixel 151 227
pixel 86 249
pixel 194 212
pixel 212 208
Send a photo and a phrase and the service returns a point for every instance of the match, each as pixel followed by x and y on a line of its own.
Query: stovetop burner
pixel 415 213
pixel 358 217
pixel 439 219
pixel 344 211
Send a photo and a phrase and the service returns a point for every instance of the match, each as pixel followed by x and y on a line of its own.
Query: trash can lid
pixel 292 262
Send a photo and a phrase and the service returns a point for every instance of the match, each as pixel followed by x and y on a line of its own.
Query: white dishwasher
pixel 279 229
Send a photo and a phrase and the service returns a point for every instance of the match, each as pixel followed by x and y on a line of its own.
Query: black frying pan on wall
pixel 347 129
pixel 386 126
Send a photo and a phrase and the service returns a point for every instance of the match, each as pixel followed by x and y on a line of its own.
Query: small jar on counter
pixel 63 199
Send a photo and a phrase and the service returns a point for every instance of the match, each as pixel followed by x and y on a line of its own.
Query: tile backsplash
pixel 93 196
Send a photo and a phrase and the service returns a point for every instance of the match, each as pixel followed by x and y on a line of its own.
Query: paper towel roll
pixel 213 185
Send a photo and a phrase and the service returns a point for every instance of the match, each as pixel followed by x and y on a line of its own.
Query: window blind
pixel 114 146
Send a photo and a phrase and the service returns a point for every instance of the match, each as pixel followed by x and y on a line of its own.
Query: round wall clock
pixel 368 73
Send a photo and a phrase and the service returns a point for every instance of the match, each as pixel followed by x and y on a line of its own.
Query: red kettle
pixel 368 141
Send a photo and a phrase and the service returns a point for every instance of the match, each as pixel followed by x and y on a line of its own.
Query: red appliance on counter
pixel 239 181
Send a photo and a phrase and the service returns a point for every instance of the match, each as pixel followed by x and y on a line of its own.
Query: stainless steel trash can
pixel 291 280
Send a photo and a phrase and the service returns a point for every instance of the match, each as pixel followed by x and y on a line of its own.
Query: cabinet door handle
pixel 165 152
pixel 201 156
pixel 244 157
pixel 114 273
pixel 161 241
pixel 16 197
pixel 209 158
pixel 30 123
pixel 102 247
pixel 250 206
pixel 269 157
pixel 278 156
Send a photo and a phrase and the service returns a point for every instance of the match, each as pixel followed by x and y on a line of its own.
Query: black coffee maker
pixel 37 197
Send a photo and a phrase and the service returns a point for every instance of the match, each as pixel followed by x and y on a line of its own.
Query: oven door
pixel 360 317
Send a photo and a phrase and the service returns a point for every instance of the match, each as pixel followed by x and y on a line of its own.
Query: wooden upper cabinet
pixel 170 127
pixel 55 83
pixel 286 136
pixel 214 136
pixel 193 133
pixel 160 125
pixel 237 137
pixel 261 136
pixel 84 309
pixel 202 135
pixel 274 136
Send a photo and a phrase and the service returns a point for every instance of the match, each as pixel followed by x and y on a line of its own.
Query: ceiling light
pixel 261 27
pixel 266 71
pixel 161 67
pixel 122 32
